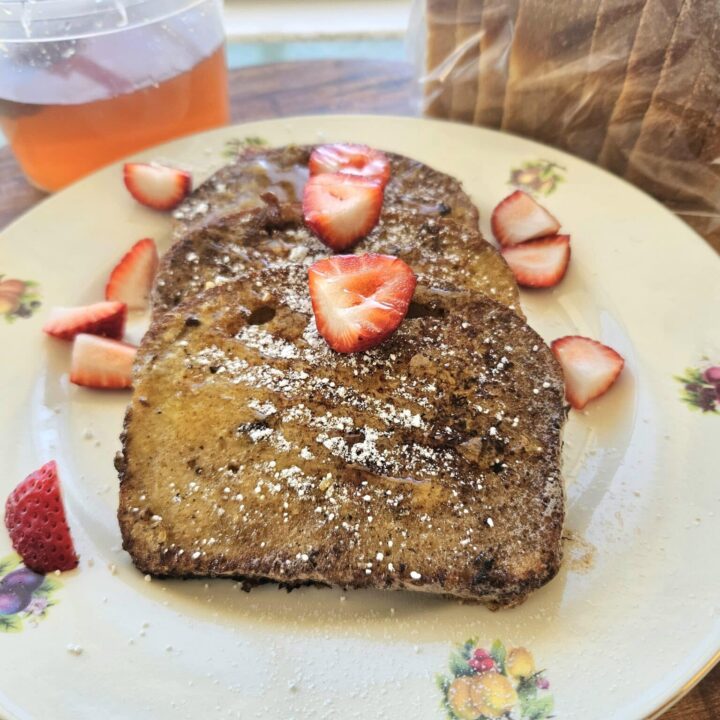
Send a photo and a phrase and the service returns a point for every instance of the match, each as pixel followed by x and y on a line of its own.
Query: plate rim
pixel 714 659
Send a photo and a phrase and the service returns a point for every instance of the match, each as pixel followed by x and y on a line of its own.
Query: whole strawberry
pixel 35 519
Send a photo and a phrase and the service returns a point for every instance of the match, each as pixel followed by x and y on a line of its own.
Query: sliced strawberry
pixel 131 279
pixel 35 520
pixel 359 300
pixel 157 186
pixel 101 363
pixel 350 158
pixel 104 318
pixel 518 218
pixel 539 263
pixel 340 209
pixel 590 368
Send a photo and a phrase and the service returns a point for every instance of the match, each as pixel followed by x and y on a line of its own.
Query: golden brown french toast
pixel 278 175
pixel 233 244
pixel 431 463
pixel 427 219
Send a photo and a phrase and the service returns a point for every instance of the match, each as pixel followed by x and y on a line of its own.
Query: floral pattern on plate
pixel 496 683
pixel 537 177
pixel 701 387
pixel 25 596
pixel 18 298
pixel 235 146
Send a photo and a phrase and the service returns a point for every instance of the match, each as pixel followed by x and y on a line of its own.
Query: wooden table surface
pixel 330 86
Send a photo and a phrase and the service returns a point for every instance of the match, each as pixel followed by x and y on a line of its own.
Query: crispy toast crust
pixel 431 463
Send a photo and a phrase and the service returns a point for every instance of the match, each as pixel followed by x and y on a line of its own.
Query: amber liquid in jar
pixel 58 143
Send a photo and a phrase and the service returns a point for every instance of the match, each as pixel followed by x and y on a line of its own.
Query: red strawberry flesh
pixel 104 318
pixel 359 300
pixel 35 520
pixel 539 263
pixel 589 368
pixel 131 279
pixel 340 209
pixel 350 158
pixel 156 186
pixel 519 218
pixel 101 363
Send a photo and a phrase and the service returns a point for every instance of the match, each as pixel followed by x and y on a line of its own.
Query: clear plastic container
pixel 85 82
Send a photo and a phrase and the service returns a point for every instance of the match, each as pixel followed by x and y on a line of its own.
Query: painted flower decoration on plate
pixel 25 596
pixel 495 683
pixel 236 146
pixel 18 298
pixel 701 387
pixel 537 177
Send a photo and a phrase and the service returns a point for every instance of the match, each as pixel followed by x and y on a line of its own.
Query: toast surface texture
pixel 234 244
pixel 248 216
pixel 431 463
pixel 277 176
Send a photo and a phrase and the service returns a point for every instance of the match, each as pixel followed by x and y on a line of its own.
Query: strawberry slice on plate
pixel 518 218
pixel 340 209
pixel 539 263
pixel 359 300
pixel 589 367
pixel 350 158
pixel 35 520
pixel 101 363
pixel 131 279
pixel 156 186
pixel 104 318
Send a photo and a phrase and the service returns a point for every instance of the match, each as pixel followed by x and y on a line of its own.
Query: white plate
pixel 632 620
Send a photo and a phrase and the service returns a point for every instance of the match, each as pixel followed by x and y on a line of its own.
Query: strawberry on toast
pixel 359 300
pixel 279 175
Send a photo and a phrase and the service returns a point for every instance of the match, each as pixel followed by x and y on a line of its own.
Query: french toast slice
pixel 231 245
pixel 430 463
pixel 278 175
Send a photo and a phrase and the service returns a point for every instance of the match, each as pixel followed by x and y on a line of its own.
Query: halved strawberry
pixel 589 367
pixel 539 263
pixel 518 218
pixel 350 158
pixel 101 363
pixel 103 318
pixel 157 186
pixel 359 300
pixel 131 279
pixel 340 209
pixel 35 520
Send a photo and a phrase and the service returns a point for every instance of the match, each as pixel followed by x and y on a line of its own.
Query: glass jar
pixel 86 82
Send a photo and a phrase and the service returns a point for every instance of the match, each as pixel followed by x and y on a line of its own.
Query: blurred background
pixel 314 29
pixel 269 31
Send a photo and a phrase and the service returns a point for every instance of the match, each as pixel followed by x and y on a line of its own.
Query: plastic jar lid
pixel 46 20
